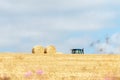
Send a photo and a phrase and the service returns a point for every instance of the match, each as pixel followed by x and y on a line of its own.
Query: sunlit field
pixel 59 67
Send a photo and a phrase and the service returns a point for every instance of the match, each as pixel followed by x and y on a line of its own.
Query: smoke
pixel 110 45
pixel 115 39
pixel 103 48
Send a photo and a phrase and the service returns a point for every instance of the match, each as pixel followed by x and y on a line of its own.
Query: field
pixel 59 67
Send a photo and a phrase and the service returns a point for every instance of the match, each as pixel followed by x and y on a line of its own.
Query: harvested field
pixel 59 67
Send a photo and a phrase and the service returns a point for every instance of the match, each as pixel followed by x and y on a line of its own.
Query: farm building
pixel 77 51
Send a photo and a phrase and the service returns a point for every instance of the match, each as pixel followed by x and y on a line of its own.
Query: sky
pixel 66 24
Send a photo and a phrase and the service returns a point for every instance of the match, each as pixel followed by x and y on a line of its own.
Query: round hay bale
pixel 50 50
pixel 38 50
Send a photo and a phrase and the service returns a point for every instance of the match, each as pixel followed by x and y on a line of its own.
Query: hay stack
pixel 51 50
pixel 38 50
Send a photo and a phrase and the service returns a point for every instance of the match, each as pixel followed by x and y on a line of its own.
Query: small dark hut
pixel 77 51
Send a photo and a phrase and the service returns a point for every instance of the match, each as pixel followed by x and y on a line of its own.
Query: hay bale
pixel 51 50
pixel 38 50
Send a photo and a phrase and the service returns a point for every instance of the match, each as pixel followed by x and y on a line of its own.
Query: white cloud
pixel 81 41
pixel 86 21
pixel 49 21
pixel 24 6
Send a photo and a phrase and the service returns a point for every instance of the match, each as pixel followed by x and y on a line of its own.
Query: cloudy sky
pixel 64 23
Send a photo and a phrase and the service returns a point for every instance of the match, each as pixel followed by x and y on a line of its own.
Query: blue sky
pixel 64 23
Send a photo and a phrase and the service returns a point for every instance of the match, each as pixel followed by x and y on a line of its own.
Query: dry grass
pixel 59 67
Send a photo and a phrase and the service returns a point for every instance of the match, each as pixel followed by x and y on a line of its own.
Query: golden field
pixel 59 66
